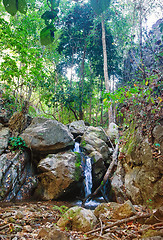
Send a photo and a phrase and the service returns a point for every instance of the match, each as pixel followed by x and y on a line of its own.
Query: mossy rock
pixel 77 218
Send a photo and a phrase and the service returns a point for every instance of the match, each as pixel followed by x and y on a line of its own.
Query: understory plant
pixel 17 143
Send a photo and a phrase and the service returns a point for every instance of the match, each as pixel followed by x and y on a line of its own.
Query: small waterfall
pixel 88 176
pixel 77 148
pixel 87 168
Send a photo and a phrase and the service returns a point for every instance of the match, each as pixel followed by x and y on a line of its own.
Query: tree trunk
pixel 141 36
pixel 81 114
pixel 106 76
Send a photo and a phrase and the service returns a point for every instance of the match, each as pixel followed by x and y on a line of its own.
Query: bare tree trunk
pixel 101 102
pixel 106 76
pixel 141 35
pixel 81 114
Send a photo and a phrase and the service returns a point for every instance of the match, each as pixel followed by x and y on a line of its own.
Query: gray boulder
pixel 4 138
pixel 77 128
pixel 58 173
pixel 95 140
pixel 47 136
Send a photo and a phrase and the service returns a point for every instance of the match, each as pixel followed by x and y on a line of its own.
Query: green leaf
pixel 10 6
pixel 22 6
pixel 50 14
pixel 99 6
pixel 47 35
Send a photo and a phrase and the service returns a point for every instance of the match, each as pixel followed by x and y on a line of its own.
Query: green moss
pixel 77 173
pixel 130 139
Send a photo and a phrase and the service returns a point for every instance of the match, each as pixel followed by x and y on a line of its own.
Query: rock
pixel 156 217
pixel 47 136
pixel 112 131
pixel 94 139
pixel 43 232
pixel 57 235
pixel 143 173
pixel 58 173
pixel 19 215
pixel 124 210
pixel 117 183
pixel 4 138
pixel 158 137
pixel 105 207
pixel 114 210
pixel 94 142
pixel 4 118
pixel 52 234
pixel 27 228
pixel 79 219
pixel 77 128
pixel 16 176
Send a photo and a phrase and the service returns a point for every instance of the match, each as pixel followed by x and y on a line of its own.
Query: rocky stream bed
pixel 40 220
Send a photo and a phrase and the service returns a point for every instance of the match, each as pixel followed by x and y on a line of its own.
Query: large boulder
pixel 59 173
pixel 16 176
pixel 77 128
pixel 143 179
pixel 47 136
pixel 79 219
pixel 4 138
pixel 95 140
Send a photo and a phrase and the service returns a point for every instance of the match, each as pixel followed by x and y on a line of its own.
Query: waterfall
pixel 87 168
pixel 88 176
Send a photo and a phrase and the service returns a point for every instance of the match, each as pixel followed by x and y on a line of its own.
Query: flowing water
pixel 87 168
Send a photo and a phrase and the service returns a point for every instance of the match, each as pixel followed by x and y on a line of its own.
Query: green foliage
pixel 100 6
pixel 12 6
pixel 47 35
pixel 62 209
pixel 17 143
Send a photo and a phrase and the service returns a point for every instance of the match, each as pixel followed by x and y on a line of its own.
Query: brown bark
pixel 106 76
pixel 81 114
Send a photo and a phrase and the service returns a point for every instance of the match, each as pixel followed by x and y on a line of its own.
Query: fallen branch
pixel 119 222
pixel 160 224
pixel 107 174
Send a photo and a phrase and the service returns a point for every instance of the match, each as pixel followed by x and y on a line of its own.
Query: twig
pixel 3 227
pixel 119 222
pixel 101 226
pixel 151 226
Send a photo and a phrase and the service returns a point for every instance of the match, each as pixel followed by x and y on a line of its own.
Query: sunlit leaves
pixel 12 6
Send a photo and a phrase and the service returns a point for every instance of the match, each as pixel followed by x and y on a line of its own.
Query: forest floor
pixel 31 221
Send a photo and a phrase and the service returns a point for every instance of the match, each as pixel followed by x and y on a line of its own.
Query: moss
pixel 150 233
pixel 130 139
pixel 77 173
